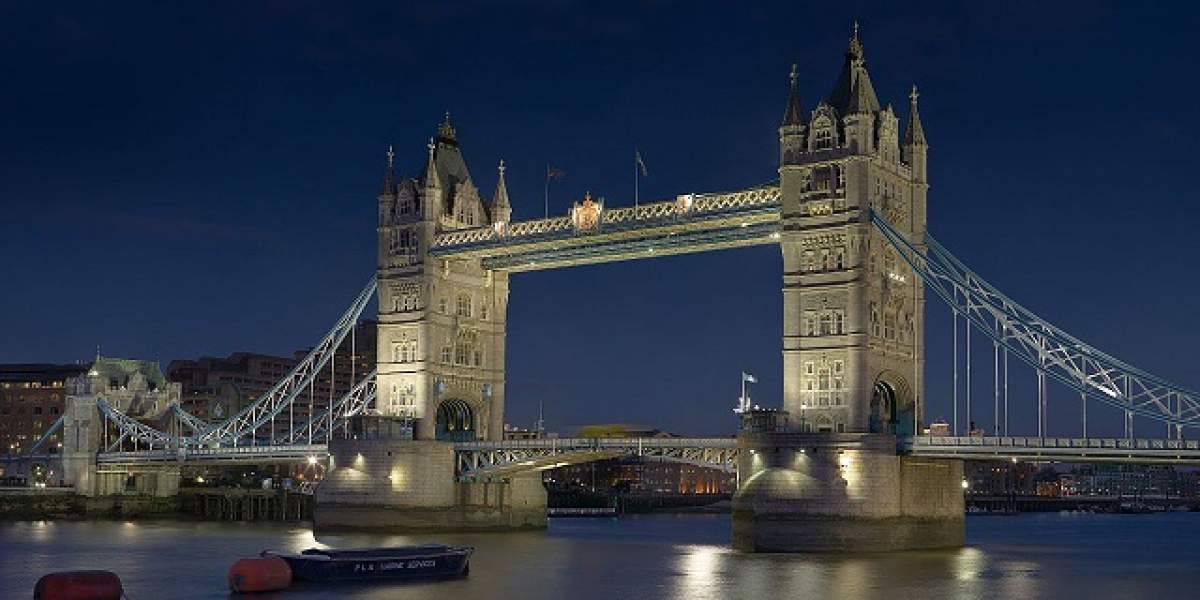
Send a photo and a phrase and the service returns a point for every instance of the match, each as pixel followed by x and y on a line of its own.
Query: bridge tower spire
pixel 791 130
pixel 501 211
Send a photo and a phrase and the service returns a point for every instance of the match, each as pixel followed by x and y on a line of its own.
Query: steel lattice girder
pixel 477 459
pixel 129 427
pixel 270 404
pixel 193 422
pixel 1040 344
pixel 351 403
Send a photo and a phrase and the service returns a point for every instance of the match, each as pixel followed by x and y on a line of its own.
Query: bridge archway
pixel 455 421
pixel 891 405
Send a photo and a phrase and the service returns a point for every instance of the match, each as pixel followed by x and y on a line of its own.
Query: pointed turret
pixel 914 134
pixel 500 210
pixel 915 147
pixel 791 131
pixel 431 185
pixel 389 175
pixel 794 113
pixel 854 84
pixel 387 192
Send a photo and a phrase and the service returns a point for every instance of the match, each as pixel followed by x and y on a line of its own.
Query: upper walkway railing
pixel 689 223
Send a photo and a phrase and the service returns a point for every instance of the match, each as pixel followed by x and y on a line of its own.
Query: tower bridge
pixel 843 463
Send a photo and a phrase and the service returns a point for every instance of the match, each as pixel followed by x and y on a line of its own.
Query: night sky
pixel 200 179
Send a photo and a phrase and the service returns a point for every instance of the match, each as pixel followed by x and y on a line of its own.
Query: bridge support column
pixel 81 441
pixel 843 493
pixel 409 486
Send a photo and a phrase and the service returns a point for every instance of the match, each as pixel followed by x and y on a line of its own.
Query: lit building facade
pixel 31 399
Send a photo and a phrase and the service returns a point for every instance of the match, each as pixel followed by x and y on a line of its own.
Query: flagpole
pixel 744 403
pixel 546 198
pixel 635 182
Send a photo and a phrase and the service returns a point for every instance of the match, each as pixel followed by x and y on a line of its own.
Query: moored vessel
pixel 433 561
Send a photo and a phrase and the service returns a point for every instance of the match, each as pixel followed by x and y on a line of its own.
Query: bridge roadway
pixel 484 458
pixel 1141 451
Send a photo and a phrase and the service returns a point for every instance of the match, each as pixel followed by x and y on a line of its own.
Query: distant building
pixel 1129 480
pixel 512 432
pixel 621 431
pixel 215 388
pixel 643 475
pixel 31 399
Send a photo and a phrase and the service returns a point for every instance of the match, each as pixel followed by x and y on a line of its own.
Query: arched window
pixel 483 311
pixel 826 323
pixel 839 318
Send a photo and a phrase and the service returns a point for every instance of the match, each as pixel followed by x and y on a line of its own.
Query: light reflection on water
pixel 663 556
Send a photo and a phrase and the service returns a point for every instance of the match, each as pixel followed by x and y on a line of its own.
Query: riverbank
pixel 26 504
pixel 212 504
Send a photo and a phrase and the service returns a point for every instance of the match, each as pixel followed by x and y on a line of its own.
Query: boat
pixel 433 561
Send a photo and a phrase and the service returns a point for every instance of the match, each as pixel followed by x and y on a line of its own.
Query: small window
pixel 463 308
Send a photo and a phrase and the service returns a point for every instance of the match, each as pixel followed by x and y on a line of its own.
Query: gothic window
pixel 821 179
pixel 483 311
pixel 397 353
pixel 809 261
pixel 826 323
pixel 810 322
pixel 826 263
pixel 823 139
pixel 442 305
pixel 395 303
pixel 463 308
pixel 406 203
pixel 841 177
pixel 478 358
pixel 447 355
pixel 839 322
pixel 464 349
pixel 889 325
pixel 404 244
pixel 394 398
pixel 874 320
pixel 839 257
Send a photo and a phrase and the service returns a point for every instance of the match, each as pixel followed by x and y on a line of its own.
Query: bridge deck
pixel 1054 449
pixel 690 223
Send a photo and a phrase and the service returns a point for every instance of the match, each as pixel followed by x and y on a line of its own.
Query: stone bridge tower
pixel 441 323
pixel 853 351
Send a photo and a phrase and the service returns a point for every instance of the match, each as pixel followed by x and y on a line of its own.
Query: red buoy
pixel 266 574
pixel 78 585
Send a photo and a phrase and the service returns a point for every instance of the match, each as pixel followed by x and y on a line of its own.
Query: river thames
pixel 653 556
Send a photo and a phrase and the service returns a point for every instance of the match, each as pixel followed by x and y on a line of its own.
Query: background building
pixel 215 388
pixel 31 399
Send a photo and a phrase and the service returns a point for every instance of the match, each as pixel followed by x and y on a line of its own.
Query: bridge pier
pixel 410 486
pixel 848 492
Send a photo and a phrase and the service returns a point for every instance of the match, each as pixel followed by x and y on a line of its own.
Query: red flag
pixel 554 173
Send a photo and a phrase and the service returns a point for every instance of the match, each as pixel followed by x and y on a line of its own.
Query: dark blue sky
pixel 200 179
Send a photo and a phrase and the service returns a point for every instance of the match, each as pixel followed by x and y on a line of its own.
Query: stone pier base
pixel 409 486
pixel 824 492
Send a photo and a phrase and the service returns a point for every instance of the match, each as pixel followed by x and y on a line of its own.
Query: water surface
pixel 654 556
